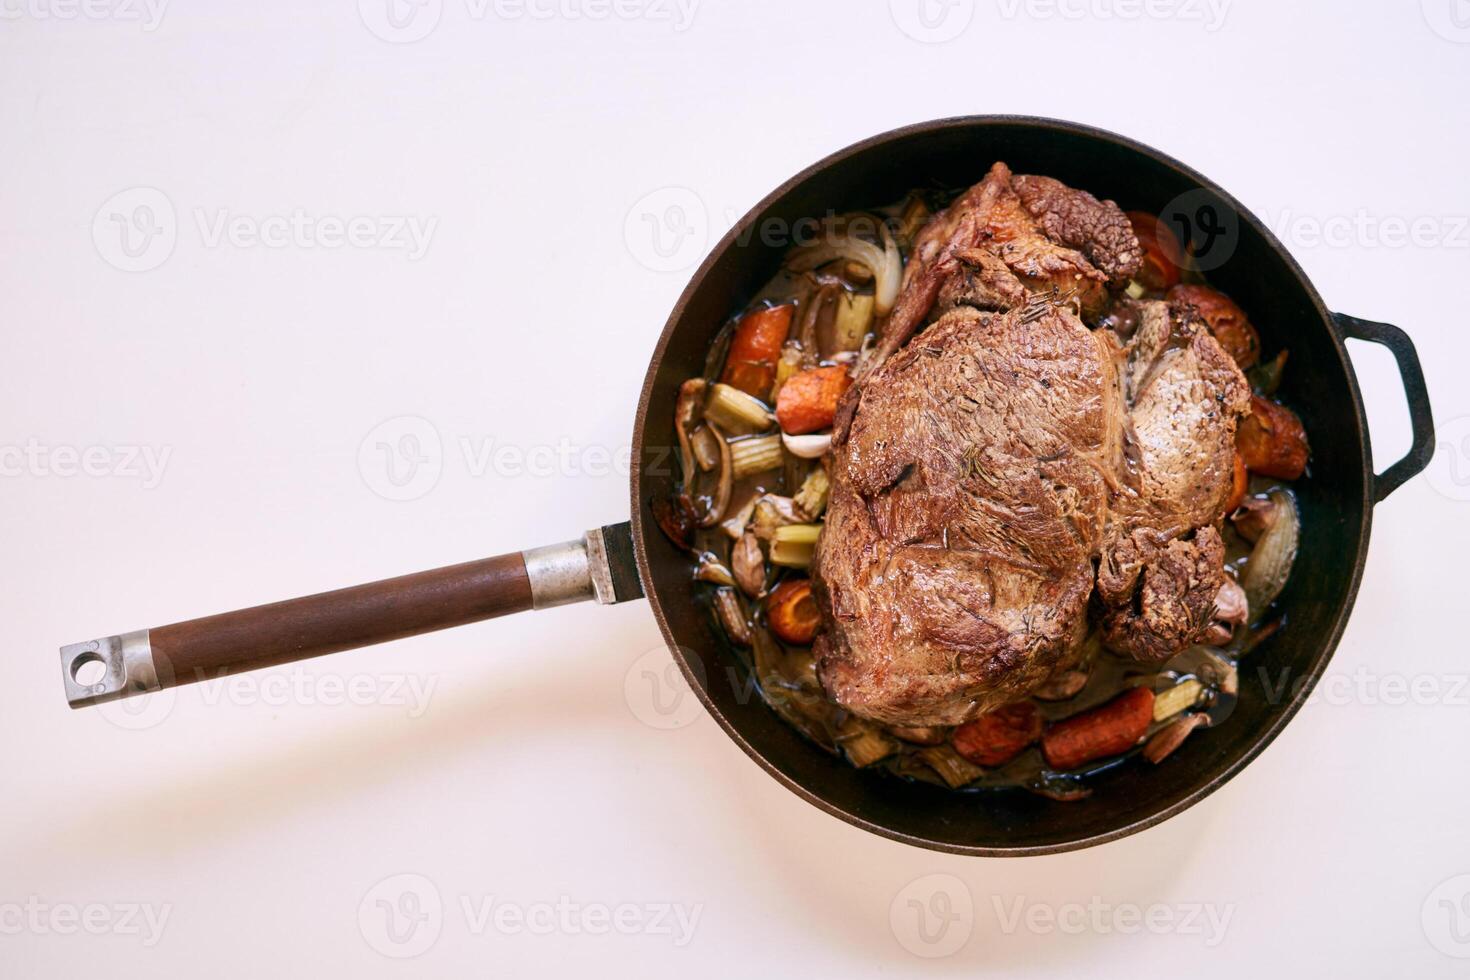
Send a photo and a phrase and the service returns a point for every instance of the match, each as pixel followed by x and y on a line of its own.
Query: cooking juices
pixel 755 432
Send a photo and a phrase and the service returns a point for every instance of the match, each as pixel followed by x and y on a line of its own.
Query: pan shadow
pixel 825 878
pixel 247 793
pixel 830 882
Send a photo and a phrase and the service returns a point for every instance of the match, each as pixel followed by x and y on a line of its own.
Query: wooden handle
pixel 598 566
pixel 329 622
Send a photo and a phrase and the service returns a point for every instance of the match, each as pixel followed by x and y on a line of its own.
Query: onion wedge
pixel 885 262
pixel 1270 563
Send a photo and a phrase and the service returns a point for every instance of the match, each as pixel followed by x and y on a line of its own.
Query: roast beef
pixel 1000 463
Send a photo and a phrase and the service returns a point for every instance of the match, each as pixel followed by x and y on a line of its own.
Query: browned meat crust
pixel 1078 220
pixel 999 468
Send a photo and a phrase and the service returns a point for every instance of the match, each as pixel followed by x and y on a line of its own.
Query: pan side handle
pixel 598 566
pixel 1421 451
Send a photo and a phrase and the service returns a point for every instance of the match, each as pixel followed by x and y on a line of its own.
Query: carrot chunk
pixel 996 738
pixel 1111 729
pixel 1227 322
pixel 1238 485
pixel 755 349
pixel 1271 440
pixel 1162 255
pixel 807 401
pixel 792 612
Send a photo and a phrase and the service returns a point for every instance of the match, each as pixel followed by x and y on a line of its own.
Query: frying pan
pixel 626 561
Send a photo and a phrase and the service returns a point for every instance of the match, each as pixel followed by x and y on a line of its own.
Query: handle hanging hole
pixel 88 669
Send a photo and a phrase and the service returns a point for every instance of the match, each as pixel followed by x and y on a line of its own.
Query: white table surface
pixel 184 438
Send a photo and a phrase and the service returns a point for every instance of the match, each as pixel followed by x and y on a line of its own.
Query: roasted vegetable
pixel 808 401
pixel 738 515
pixel 1062 686
pixel 686 413
pixel 735 411
pixel 1232 609
pixel 732 616
pixel 1239 484
pixel 792 612
pixel 750 364
pixel 1231 604
pixel 885 261
pixel 1170 701
pixel 798 533
pixel 706 448
pixel 1171 736
pixel 675 516
pixel 1111 729
pixel 808 447
pixel 773 511
pixel 1227 322
pixel 1214 669
pixel 953 768
pixel 789 683
pixel 1216 634
pixel 711 569
pixel 1254 517
pixel 812 497
pixel 915 216
pixel 816 324
pixel 1265 377
pixel 1272 441
pixel 997 737
pixel 725 484
pixel 863 743
pixel 793 544
pixel 1162 255
pixel 786 368
pixel 853 319
pixel 755 455
pixel 748 563
pixel 1270 563
pixel 920 735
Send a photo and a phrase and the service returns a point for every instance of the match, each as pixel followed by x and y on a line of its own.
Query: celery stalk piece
pixel 798 534
pixel 951 766
pixel 854 317
pixel 791 554
pixel 755 455
pixel 735 411
pixel 864 744
pixel 1183 695
pixel 812 497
